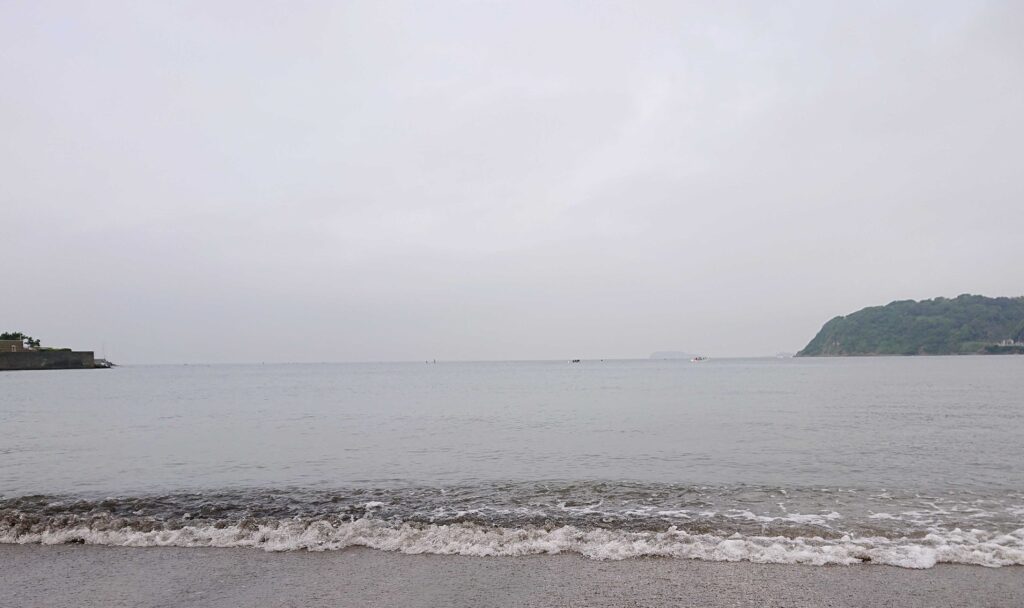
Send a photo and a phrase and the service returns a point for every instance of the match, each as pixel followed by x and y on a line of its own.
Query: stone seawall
pixel 47 359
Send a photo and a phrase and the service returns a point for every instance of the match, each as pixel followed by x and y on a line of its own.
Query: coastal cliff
pixel 967 324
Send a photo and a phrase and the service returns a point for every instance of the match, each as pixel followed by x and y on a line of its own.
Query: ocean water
pixel 902 461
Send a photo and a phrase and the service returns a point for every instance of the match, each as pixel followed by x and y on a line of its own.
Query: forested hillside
pixel 966 324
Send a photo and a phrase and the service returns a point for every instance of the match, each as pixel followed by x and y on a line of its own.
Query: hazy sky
pixel 352 181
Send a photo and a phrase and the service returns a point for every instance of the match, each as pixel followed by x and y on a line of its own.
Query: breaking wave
pixel 971 547
pixel 611 522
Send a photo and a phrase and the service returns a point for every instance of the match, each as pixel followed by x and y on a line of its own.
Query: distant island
pixel 671 354
pixel 965 325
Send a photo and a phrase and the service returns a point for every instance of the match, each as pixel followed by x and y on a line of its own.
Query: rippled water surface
pixel 906 461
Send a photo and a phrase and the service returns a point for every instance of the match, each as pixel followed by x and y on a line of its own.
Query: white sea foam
pixel 957 546
pixel 817 519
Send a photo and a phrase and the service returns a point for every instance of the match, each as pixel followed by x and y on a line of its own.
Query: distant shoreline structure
pixel 48 359
pixel 19 352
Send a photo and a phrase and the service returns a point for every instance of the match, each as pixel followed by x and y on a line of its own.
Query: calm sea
pixel 905 461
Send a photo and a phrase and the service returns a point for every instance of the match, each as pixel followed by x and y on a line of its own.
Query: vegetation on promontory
pixel 28 341
pixel 967 324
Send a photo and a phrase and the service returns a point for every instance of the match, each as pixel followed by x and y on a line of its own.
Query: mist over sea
pixel 906 461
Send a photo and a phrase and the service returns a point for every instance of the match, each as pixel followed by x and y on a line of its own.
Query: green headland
pixel 965 325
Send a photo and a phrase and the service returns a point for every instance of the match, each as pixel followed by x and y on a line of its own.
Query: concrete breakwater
pixel 47 359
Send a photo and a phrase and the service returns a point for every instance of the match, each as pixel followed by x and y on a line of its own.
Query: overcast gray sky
pixel 354 181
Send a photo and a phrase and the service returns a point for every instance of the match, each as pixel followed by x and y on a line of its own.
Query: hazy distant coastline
pixel 671 354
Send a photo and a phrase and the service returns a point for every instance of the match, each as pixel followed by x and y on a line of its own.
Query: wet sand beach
pixel 87 576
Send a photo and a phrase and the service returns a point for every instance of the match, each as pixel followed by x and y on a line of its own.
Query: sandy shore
pixel 82 576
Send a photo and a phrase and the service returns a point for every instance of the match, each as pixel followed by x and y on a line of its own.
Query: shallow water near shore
pixel 901 461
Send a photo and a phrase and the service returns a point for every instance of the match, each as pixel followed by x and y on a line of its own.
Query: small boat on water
pixel 698 359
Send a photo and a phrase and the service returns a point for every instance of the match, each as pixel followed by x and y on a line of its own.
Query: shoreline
pixel 85 575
